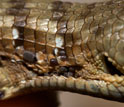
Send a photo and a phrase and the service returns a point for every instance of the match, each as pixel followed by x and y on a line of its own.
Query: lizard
pixel 55 45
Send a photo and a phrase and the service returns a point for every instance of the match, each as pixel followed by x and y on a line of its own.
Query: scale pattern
pixel 62 45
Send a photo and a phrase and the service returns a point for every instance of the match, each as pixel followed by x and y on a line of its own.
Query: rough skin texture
pixel 54 45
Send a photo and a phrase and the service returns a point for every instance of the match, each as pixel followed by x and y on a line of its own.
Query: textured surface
pixel 60 49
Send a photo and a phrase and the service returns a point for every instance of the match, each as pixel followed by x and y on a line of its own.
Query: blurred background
pixel 76 100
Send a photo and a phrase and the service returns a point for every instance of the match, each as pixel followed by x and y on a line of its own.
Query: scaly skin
pixel 53 45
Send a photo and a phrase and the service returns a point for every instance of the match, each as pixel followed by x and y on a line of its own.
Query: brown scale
pixel 50 37
pixel 58 9
pixel 61 31
pixel 32 40
pixel 60 35
pixel 77 50
pixel 85 34
pixel 29 40
pixel 71 23
pixel 6 31
pixel 92 38
pixel 52 32
pixel 56 6
pixel 41 32
pixel 1 45
pixel 40 43
pixel 7 39
pixel 69 40
pixel 20 21
pixel 31 21
pixel 41 46
pixel 17 10
pixel 29 33
pixel 19 25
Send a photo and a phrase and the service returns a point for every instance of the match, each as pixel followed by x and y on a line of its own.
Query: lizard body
pixel 54 45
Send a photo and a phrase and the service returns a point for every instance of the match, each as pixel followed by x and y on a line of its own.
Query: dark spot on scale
pixel 63 58
pixel 71 69
pixel 62 53
pixel 65 74
pixel 29 56
pixel 53 62
pixel 53 52
pixel 67 71
pixel 3 58
pixel 44 51
pixel 68 74
pixel 2 93
pixel 46 74
pixel 63 69
pixel 54 73
pixel 57 6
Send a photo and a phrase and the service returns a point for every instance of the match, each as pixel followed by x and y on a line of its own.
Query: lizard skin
pixel 54 45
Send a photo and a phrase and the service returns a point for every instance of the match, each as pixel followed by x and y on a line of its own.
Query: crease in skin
pixel 54 45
